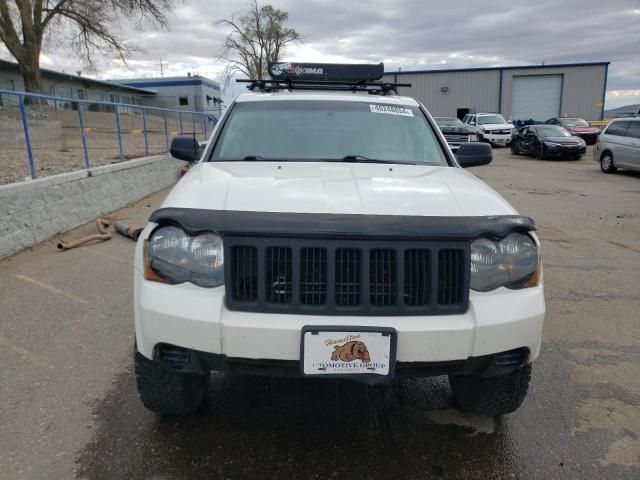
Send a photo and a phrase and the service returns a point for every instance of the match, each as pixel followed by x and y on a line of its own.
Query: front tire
pixel 167 391
pixel 540 153
pixel 494 396
pixel 514 149
pixel 606 163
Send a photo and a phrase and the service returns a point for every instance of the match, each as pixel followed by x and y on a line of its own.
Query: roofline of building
pixel 169 82
pixel 68 76
pixel 509 67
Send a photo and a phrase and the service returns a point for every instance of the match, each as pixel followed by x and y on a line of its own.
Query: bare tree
pixel 257 37
pixel 90 24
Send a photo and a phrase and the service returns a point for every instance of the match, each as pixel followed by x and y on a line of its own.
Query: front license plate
pixel 348 352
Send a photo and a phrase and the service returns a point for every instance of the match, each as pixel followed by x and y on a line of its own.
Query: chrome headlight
pixel 174 257
pixel 512 262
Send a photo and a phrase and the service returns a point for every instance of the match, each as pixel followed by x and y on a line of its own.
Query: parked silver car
pixel 619 145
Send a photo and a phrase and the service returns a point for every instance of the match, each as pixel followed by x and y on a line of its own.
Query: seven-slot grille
pixel 346 277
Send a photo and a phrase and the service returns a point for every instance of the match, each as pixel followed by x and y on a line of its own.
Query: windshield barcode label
pixel 391 110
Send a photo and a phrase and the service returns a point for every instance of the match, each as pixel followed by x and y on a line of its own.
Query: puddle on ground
pixel 477 423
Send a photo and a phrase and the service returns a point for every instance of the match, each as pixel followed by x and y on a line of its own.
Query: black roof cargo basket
pixel 324 76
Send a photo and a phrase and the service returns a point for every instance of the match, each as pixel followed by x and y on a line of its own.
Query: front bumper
pixel 589 138
pixel 560 152
pixel 498 139
pixel 192 361
pixel 196 318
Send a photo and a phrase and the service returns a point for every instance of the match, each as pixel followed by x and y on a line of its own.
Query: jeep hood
pixel 302 187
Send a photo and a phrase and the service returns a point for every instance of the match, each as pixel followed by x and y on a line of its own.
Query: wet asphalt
pixel 69 408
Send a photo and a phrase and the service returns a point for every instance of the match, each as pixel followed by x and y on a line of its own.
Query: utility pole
pixel 161 65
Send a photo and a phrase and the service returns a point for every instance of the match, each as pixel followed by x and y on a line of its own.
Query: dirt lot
pixel 69 407
pixel 64 152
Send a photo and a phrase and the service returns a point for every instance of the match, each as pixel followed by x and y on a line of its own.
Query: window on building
pixel 183 101
pixel 81 94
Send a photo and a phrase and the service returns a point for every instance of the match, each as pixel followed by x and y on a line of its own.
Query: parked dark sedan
pixel 547 141
pixel 455 132
pixel 578 127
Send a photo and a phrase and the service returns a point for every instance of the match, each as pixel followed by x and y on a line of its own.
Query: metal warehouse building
pixel 192 92
pixel 535 92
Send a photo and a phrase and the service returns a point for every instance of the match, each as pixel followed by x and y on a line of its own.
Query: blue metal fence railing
pixel 43 134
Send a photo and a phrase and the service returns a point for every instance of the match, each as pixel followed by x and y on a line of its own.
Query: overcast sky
pixel 410 34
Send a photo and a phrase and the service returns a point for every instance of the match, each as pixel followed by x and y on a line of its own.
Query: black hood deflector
pixel 348 226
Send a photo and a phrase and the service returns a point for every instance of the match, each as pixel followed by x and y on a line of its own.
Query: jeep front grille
pixel 244 264
pixel 346 277
pixel 348 273
pixel 450 271
pixel 313 276
pixel 417 276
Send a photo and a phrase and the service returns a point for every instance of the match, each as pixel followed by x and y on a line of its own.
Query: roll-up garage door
pixel 536 96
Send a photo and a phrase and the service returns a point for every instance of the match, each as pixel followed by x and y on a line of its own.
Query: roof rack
pixel 324 76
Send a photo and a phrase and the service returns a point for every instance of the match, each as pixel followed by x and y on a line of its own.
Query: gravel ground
pixel 65 153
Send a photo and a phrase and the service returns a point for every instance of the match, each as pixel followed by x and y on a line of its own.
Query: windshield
pixel 307 130
pixel 552 131
pixel 484 120
pixel 575 122
pixel 448 122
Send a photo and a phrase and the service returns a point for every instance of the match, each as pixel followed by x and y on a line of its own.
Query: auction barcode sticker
pixel 391 110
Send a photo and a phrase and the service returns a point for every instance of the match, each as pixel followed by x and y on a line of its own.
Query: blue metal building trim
pixel 604 90
pixel 510 67
pixel 500 93
pixel 561 94
pixel 173 83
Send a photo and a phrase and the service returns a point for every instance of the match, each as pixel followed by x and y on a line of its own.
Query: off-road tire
pixel 166 391
pixel 606 163
pixel 491 395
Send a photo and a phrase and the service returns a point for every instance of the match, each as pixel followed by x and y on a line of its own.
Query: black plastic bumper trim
pixel 483 366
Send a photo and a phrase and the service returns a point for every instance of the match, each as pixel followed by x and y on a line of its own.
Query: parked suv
pixel 619 145
pixel 332 234
pixel 491 127
pixel 455 132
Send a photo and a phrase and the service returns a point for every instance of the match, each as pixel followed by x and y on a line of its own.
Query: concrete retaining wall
pixel 36 210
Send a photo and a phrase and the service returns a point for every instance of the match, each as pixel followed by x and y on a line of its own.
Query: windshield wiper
pixel 258 158
pixel 363 159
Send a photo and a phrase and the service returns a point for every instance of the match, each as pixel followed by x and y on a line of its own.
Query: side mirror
pixel 185 148
pixel 474 154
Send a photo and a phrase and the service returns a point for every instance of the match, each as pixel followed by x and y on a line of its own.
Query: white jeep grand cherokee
pixel 330 234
